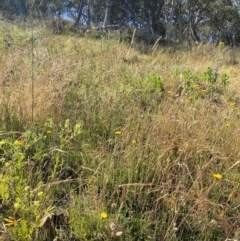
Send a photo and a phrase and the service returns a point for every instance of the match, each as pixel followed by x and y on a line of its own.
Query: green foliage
pixel 204 84
pixel 23 187
pixel 222 17
pixel 224 80
pixel 210 76
pixel 155 83
pixel 87 223
pixel 4 188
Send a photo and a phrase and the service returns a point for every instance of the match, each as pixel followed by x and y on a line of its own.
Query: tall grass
pixel 124 145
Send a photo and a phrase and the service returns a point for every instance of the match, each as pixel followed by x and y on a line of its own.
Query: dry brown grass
pixel 60 60
pixel 161 186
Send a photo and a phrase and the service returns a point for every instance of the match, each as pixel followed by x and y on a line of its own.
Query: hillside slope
pixel 123 145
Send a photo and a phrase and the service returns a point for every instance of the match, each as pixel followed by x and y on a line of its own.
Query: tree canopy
pixel 174 20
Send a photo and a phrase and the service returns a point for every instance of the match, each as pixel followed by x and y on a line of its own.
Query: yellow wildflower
pixel 49 132
pixel 2 143
pixel 16 205
pixel 227 124
pixel 26 189
pixel 233 103
pixel 40 194
pixel 134 142
pixel 36 203
pixel 118 132
pixel 217 176
pixel 104 215
pixel 7 164
pixel 18 143
pixel 221 44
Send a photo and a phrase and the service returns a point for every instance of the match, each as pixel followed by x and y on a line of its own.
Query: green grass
pixel 136 136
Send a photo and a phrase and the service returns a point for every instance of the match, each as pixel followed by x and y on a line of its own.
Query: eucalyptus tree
pixel 17 7
pixel 197 16
pixel 224 20
pixel 173 19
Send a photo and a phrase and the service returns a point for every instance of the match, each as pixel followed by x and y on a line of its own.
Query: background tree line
pixel 174 20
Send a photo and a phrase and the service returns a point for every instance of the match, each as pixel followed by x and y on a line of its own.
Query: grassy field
pixel 125 144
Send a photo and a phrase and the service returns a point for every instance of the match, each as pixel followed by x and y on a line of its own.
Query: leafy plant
pixel 224 79
pixel 155 83
pixel 27 202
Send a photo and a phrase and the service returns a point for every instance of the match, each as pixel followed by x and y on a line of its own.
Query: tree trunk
pixel 155 17
pixel 106 17
pixel 170 19
pixel 194 33
pixel 88 14
pixel 80 9
pixel 179 25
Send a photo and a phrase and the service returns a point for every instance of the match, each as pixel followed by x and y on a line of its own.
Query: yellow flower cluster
pixel 2 143
pixel 134 142
pixel 217 176
pixel 221 44
pixel 17 143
